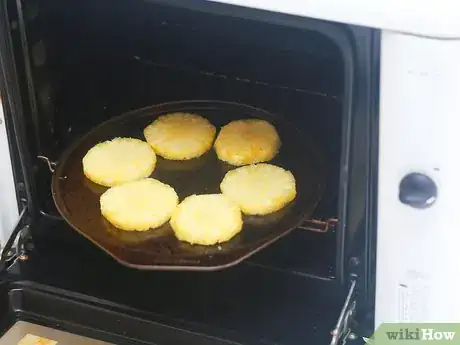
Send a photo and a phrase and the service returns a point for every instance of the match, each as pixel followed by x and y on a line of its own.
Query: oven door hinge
pixel 15 248
pixel 342 331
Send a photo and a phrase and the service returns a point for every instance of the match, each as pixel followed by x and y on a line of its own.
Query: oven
pixel 378 97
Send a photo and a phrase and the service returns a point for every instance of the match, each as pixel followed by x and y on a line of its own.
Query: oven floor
pixel 244 305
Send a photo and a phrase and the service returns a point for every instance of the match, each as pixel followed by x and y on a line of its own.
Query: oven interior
pixel 80 63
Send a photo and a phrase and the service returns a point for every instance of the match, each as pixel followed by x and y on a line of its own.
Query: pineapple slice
pixel 139 205
pixel 247 141
pixel 118 161
pixel 180 136
pixel 206 219
pixel 259 189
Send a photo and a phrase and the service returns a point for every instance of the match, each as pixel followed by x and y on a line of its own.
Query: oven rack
pixel 242 79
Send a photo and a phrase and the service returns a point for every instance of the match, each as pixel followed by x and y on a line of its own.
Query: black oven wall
pixel 89 61
pixel 104 60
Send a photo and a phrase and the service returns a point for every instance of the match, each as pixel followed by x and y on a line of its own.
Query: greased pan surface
pixel 77 198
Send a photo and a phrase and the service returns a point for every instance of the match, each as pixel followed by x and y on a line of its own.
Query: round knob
pixel 417 190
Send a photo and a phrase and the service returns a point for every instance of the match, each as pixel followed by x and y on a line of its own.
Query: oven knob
pixel 417 190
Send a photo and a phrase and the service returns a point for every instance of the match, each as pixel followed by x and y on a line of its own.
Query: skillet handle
pixel 319 225
pixel 51 164
pixel 51 167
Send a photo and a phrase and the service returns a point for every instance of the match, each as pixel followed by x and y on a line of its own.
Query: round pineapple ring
pixel 259 189
pixel 118 161
pixel 247 141
pixel 139 205
pixel 180 136
pixel 206 219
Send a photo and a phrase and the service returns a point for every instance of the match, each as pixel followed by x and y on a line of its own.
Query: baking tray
pixel 77 198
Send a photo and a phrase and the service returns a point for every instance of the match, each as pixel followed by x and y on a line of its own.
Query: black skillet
pixel 77 198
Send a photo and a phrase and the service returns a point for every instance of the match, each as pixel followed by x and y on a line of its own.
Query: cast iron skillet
pixel 77 198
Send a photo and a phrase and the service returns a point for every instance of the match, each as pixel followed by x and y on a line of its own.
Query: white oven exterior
pixel 418 252
pixel 418 276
